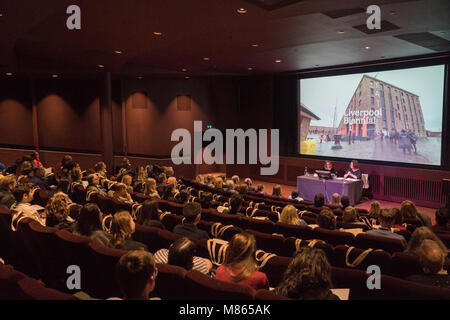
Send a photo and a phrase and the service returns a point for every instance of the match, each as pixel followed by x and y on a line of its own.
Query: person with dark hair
pixel 122 228
pixel 319 200
pixel 38 180
pixel 183 196
pixel 136 273
pixel 63 186
pixel 442 218
pixel 7 184
pixel 182 253
pixel 249 183
pixel 432 260
pixel 100 170
pixel 328 166
pixel 345 202
pixel 409 211
pixel 326 219
pixel 94 185
pixel 148 215
pixel 24 195
pixel 235 205
pixel 89 224
pixel 398 219
pixel 353 172
pixel 36 161
pixel 387 221
pixel 276 191
pixel 294 196
pixel 192 214
pixel 240 263
pixel 260 189
pixel 206 200
pixel 308 277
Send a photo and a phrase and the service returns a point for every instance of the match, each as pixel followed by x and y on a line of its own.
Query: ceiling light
pixel 367 47
pixel 54 76
pixel 118 52
pixel 140 78
pixel 1 14
pixel 187 77
pixel 249 68
pixel 100 66
pixel 184 69
pixel 205 59
pixel 341 31
pixel 241 10
pixel 156 33
pixel 9 73
pixel 278 61
pixel 255 45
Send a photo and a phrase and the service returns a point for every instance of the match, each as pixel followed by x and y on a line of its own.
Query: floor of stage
pixel 286 192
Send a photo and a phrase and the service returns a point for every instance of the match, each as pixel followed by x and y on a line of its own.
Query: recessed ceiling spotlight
pixel 140 78
pixel 241 10
pixel 100 66
pixel 187 77
pixel 54 76
pixel 1 14
pixel 205 59
pixel 249 68
pixel 118 52
pixel 9 73
pixel 184 69
pixel 277 61
pixel 341 31
pixel 157 33
pixel 255 45
pixel 367 47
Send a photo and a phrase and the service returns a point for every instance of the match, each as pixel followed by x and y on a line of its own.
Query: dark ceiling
pixel 302 34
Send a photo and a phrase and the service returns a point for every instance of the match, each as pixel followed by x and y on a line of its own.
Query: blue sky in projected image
pixel 321 94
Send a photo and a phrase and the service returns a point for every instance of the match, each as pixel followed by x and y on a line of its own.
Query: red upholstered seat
pixel 268 242
pixel 172 220
pixel 35 290
pixel 103 271
pixel 405 264
pixel 6 234
pixel 166 238
pixel 78 195
pixel 202 287
pixel 9 278
pixel 365 241
pixel 333 237
pixel 379 258
pixel 121 206
pixel 105 204
pixel 265 226
pixel 263 294
pixel 288 230
pixel 149 236
pixel 211 215
pixel 355 280
pixel 168 278
pixel 275 268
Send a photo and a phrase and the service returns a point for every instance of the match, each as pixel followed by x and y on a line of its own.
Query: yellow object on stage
pixel 308 146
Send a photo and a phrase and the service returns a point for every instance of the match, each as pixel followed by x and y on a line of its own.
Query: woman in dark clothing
pixel 89 224
pixel 308 277
pixel 122 227
pixel 149 215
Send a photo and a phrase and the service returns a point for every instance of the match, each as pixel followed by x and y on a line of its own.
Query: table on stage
pixel 309 186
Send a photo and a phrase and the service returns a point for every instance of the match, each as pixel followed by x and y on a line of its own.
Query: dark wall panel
pixel 68 114
pixel 16 113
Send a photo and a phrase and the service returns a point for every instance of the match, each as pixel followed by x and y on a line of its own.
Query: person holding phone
pixel 353 171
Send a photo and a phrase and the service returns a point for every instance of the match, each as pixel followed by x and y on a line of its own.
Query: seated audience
pixel 409 211
pixel 199 179
pixel 241 188
pixel 94 185
pixel 289 215
pixel 249 184
pixel 294 196
pixel 319 200
pixel 57 212
pixel 36 161
pixel 100 170
pixel 240 263
pixel 345 202
pixel 89 224
pixel 182 253
pixel 442 219
pixel 24 195
pixel 308 277
pixel 7 185
pixel 150 188
pixel 38 180
pixel 375 210
pixel 63 186
pixel 218 183
pixel 183 196
pixel 326 219
pixel 235 205
pixel 121 194
pixel 260 189
pixel 206 200
pixel 432 261
pixel 276 191
pixel 192 213
pixel 350 216
pixel 136 274
pixel 387 221
pixel 229 186
pixel 128 181
pixel 122 227
pixel 76 176
pixel 398 220
pixel 235 179
pixel 148 215
pixel 418 236
pixel 336 200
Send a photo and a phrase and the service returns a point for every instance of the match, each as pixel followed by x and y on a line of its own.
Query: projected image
pixel 388 116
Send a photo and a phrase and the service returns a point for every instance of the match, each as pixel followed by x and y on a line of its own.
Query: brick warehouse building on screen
pixel 379 107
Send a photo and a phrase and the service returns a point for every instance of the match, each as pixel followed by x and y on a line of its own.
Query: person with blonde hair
pixel 289 216
pixel 122 227
pixel 128 181
pixel 57 212
pixel 409 211
pixel 418 236
pixel 218 183
pixel 240 263
pixel 150 188
pixel 121 194
pixel 375 210
pixel 336 200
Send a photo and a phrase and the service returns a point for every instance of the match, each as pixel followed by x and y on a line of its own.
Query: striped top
pixel 162 256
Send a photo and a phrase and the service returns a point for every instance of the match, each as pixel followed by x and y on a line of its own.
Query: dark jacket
pixel 7 198
pixel 191 231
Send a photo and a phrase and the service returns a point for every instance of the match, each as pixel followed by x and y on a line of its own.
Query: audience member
pixel 345 202
pixel 375 210
pixel 57 212
pixel 136 274
pixel 235 179
pixel 218 183
pixel 182 253
pixel 128 181
pixel 289 215
pixel 319 200
pixel 94 185
pixel 240 263
pixel 308 277
pixel 294 196
pixel 150 188
pixel 24 195
pixel 432 261
pixel 183 196
pixel 100 170
pixel 36 161
pixel 418 236
pixel 398 219
pixel 442 218
pixel 122 227
pixel 409 211
pixel 229 186
pixel 236 201
pixel 63 186
pixel 121 194
pixel 326 219
pixel 387 221
pixel 276 191
pixel 192 213
pixel 260 189
pixel 249 184
pixel 76 176
pixel 336 200
pixel 7 185
pixel 89 224
pixel 38 180
pixel 148 215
